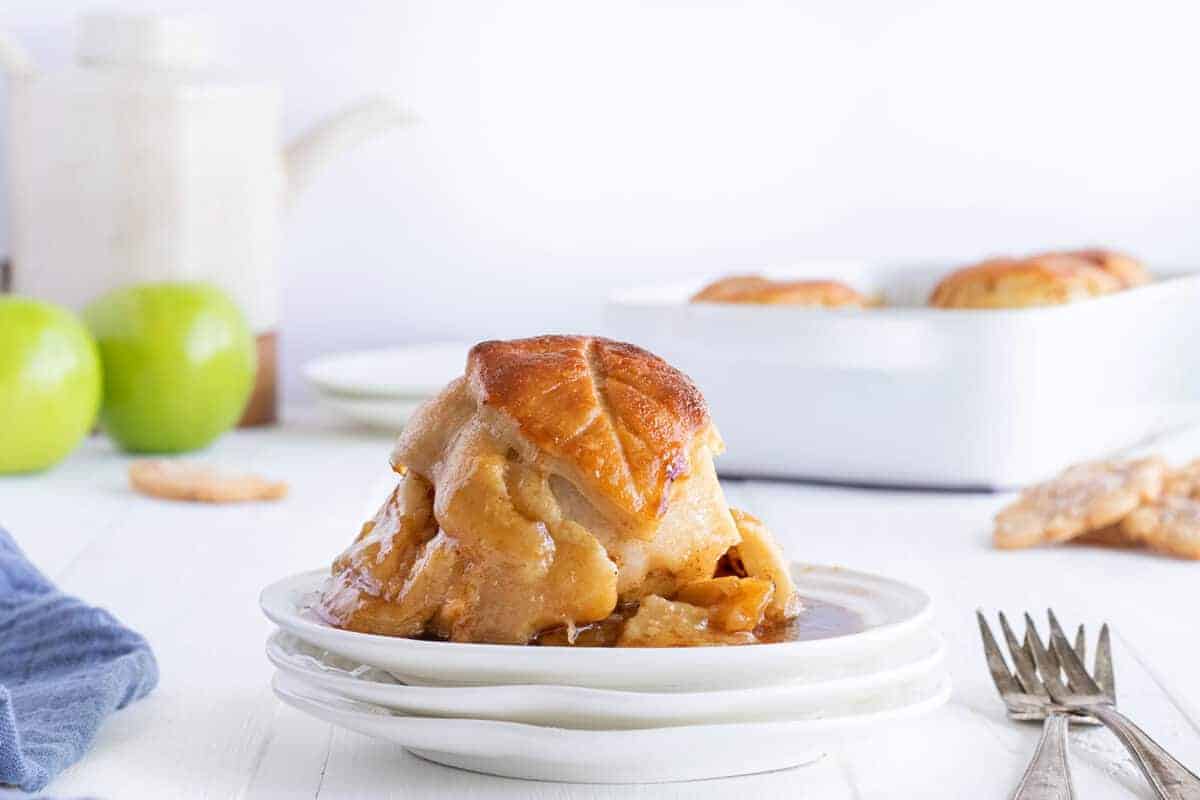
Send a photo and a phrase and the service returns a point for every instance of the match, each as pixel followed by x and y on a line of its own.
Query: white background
pixel 567 148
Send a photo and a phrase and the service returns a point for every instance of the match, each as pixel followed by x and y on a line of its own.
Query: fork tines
pixel 1039 668
pixel 1004 680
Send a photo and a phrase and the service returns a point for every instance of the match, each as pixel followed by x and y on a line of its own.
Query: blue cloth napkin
pixel 64 667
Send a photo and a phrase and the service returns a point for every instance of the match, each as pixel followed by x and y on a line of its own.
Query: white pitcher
pixel 141 163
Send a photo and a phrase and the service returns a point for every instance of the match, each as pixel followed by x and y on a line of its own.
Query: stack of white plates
pixel 869 658
pixel 381 388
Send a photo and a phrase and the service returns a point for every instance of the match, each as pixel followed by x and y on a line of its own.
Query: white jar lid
pixel 144 40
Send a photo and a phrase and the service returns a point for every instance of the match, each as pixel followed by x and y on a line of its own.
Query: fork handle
pixel 1048 776
pixel 1172 780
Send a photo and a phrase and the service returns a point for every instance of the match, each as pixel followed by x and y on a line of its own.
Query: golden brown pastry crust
pixel 1020 283
pixel 1110 536
pixel 621 419
pixel 1126 269
pixel 1171 526
pixel 1082 499
pixel 176 480
pixel 1184 481
pixel 758 554
pixel 754 289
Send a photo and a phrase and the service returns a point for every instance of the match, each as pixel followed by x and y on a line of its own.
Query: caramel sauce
pixel 817 620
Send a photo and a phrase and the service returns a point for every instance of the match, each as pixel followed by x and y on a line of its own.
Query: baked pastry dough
pixel 563 482
pixel 1129 271
pixel 755 289
pixel 1083 499
pixel 1171 526
pixel 1184 481
pixel 1019 283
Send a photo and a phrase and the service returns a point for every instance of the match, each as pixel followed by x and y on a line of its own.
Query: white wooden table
pixel 188 577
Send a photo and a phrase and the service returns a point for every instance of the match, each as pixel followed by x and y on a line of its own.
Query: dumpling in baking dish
pixel 1054 278
pixel 1021 283
pixel 756 290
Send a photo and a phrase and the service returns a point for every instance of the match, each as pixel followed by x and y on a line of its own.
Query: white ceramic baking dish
pixel 907 395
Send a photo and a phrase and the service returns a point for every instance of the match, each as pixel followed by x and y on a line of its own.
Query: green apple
pixel 179 365
pixel 49 384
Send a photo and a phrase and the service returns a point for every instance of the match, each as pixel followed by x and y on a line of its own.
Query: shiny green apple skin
pixel 179 362
pixel 49 384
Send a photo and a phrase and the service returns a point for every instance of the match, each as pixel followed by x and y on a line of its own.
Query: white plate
pixel 383 414
pixel 414 371
pixel 650 755
pixel 893 616
pixel 593 709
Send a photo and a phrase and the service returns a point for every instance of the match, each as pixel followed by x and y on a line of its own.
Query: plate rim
pixel 314 368
pixel 927 662
pixel 936 697
pixel 295 623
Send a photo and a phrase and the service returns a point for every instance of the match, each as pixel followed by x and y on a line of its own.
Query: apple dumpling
pixel 757 290
pixel 561 491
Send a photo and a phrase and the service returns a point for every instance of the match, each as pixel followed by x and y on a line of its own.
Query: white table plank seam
pixel 102 533
pixel 260 754
pixel 1184 708
pixel 324 763
pixel 847 772
pixel 997 728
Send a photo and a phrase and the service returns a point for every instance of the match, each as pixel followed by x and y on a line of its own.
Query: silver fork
pixel 1097 697
pixel 1048 776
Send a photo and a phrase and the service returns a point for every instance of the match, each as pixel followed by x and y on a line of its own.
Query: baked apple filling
pixel 562 492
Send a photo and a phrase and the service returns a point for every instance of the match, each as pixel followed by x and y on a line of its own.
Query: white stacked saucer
pixel 381 388
pixel 617 715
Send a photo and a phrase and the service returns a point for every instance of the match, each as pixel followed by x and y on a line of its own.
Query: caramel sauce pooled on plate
pixel 817 620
